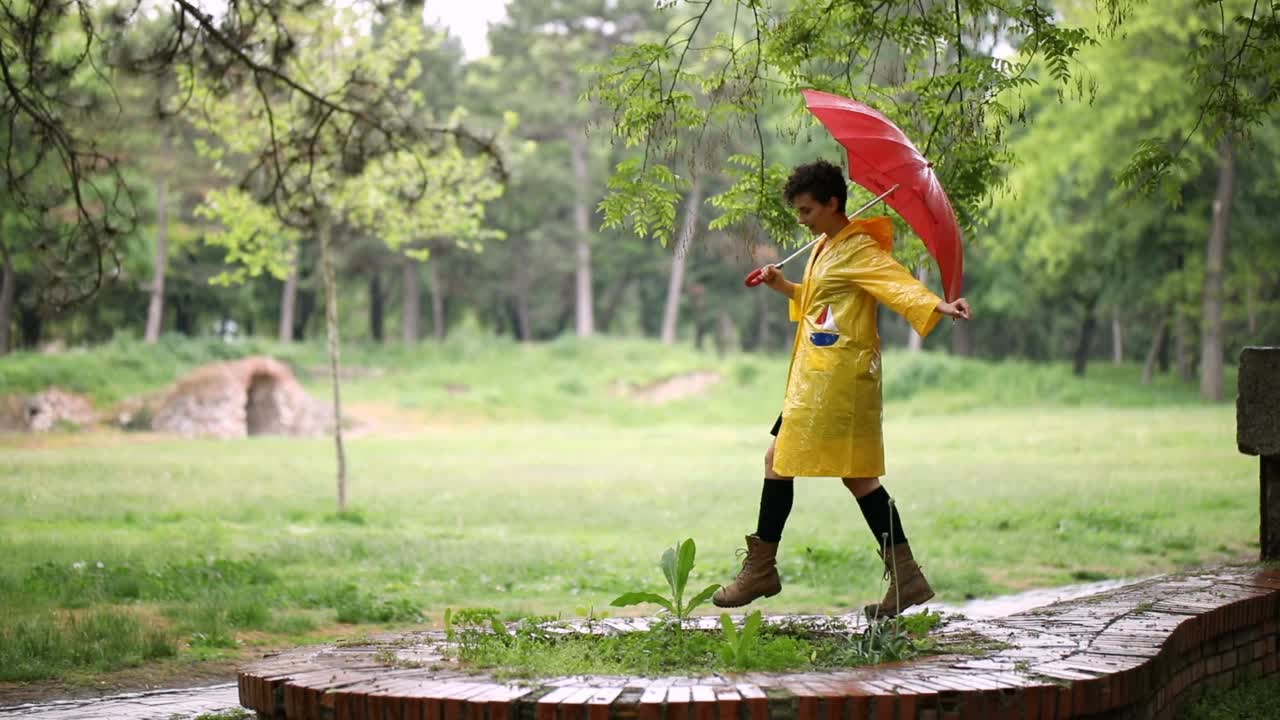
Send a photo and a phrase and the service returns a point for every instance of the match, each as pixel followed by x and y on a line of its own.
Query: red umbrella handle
pixel 754 278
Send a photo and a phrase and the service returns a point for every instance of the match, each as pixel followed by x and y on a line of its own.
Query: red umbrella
pixel 880 157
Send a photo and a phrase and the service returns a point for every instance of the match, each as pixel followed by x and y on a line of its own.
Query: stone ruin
pixel 45 410
pixel 251 396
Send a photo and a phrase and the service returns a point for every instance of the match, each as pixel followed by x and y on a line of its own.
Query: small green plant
pixel 592 617
pixel 740 646
pixel 472 628
pixel 676 564
pixel 887 640
pixel 919 624
pixel 540 646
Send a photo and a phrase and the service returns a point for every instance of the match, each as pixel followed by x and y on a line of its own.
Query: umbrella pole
pixel 754 278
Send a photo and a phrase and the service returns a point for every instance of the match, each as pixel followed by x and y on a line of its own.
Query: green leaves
pixel 253 236
pixel 448 199
pixel 670 569
pixel 643 198
pixel 935 79
pixel 637 598
pixel 740 647
pixel 392 169
pixel 676 564
pixel 755 198
pixel 701 598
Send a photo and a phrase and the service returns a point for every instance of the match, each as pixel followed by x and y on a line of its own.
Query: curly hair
pixel 821 179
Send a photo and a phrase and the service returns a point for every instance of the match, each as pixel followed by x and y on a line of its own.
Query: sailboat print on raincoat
pixel 827 333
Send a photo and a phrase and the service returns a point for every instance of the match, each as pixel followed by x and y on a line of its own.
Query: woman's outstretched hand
pixel 957 309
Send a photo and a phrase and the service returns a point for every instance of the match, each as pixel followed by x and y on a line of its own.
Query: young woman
pixel 830 421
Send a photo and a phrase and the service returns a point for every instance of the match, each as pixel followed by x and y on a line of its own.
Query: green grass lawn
pixel 565 496
pixel 546 518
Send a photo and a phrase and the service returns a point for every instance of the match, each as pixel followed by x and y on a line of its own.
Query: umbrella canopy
pixel 880 157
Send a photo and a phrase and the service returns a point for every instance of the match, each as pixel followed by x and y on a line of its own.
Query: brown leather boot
pixel 758 577
pixel 907 584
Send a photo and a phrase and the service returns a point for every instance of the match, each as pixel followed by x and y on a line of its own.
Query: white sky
pixel 468 20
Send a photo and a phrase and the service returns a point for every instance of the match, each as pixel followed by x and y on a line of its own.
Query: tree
pixel 960 101
pixel 957 109
pixel 348 177
pixel 548 44
pixel 1071 227
pixel 53 63
pixel 1233 65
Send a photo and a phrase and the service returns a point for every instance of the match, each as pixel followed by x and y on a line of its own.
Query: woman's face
pixel 813 214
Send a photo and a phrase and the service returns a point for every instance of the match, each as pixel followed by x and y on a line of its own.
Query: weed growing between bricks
pixel 541 647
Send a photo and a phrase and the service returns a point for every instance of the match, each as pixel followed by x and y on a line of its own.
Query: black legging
pixel 778 496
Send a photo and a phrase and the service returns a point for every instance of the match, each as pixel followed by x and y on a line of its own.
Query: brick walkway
pixel 160 705
pixel 736 696
pixel 1136 652
pixel 189 702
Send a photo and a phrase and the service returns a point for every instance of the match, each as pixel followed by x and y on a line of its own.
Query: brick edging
pixel 1140 651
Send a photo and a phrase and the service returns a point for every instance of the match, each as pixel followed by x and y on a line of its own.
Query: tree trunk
pixel 613 300
pixel 915 343
pixel 289 298
pixel 31 324
pixel 1085 341
pixel 7 281
pixel 438 329
pixel 1251 304
pixel 377 312
pixel 759 338
pixel 306 306
pixel 521 284
pixel 1158 342
pixel 583 307
pixel 184 316
pixel 962 339
pixel 331 331
pixel 155 308
pixel 1211 340
pixel 1182 362
pixel 1166 350
pixel 700 324
pixel 411 303
pixel 1117 337
pixel 726 332
pixel 679 260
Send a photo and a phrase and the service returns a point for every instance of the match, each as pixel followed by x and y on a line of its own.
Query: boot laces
pixel 886 558
pixel 744 555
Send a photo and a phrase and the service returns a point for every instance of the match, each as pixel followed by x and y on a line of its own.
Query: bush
pixel 1256 700
pixel 46 646
pixel 81 584
pixel 354 607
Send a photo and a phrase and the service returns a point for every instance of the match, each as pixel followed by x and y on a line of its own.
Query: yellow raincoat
pixel 831 414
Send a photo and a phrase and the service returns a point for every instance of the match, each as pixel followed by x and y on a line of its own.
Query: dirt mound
pixel 251 396
pixel 676 387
